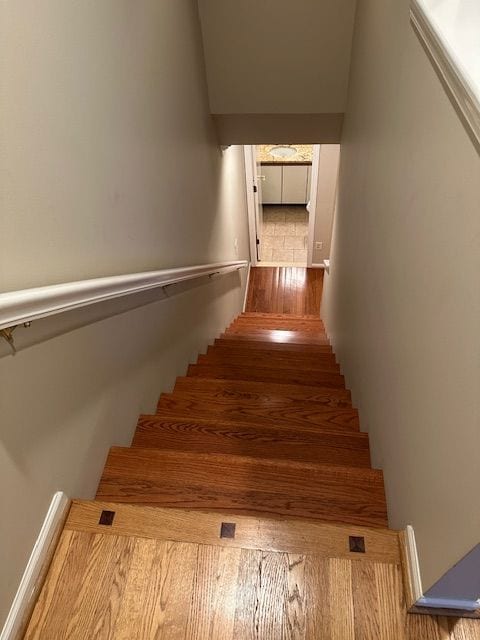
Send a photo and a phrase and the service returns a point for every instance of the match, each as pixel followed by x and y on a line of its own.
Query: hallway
pixel 285 290
pixel 246 506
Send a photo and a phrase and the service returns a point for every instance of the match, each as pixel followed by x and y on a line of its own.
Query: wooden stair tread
pixel 260 441
pixel 279 325
pixel 244 485
pixel 279 337
pixel 272 361
pixel 237 393
pixel 293 413
pixel 329 395
pixel 227 351
pixel 265 374
pixel 283 347
pixel 269 534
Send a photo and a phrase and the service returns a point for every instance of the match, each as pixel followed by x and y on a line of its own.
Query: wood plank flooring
pixel 139 580
pixel 285 290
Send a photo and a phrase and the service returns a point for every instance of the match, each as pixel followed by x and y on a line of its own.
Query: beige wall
pixel 245 128
pixel 277 56
pixel 326 200
pixel 109 165
pixel 402 303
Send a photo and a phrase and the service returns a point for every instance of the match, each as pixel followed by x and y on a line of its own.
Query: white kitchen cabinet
pixel 271 184
pixel 294 185
pixel 285 184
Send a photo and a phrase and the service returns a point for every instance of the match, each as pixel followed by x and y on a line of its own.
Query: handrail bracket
pixel 7 335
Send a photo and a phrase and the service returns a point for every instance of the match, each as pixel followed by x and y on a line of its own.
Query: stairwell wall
pixel 402 300
pixel 109 165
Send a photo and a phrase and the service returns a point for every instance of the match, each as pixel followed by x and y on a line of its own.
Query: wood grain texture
pixel 118 587
pixel 282 535
pixel 272 361
pixel 97 587
pixel 156 596
pixel 333 397
pixel 267 374
pixel 341 600
pixel 260 441
pixel 366 604
pixel 286 290
pixel 214 596
pixel 302 357
pixel 294 413
pixel 244 485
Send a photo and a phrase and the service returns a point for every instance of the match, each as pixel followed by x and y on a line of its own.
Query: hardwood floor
pixel 165 575
pixel 285 290
pixel 246 506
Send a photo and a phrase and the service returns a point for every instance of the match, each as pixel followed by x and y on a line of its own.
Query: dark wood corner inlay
pixel 356 544
pixel 227 530
pixel 106 518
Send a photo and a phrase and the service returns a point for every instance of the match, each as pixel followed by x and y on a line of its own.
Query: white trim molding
pixel 247 284
pixel 18 307
pixel 461 93
pixel 313 196
pixel 413 565
pixel 425 604
pixel 36 569
pixel 248 154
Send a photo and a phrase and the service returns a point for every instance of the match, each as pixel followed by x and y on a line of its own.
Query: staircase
pixel 245 508
pixel 261 425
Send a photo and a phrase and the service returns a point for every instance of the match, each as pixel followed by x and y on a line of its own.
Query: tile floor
pixel 284 235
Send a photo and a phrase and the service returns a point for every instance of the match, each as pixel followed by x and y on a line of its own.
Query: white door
pixel 294 190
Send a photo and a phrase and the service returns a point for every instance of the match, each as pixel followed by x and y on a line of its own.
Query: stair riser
pixel 287 376
pixel 245 389
pixel 297 415
pixel 268 362
pixel 308 349
pixel 263 354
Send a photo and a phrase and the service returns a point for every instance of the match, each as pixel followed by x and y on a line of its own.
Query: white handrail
pixel 18 307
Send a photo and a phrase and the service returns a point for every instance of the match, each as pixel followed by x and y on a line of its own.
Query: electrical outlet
pixel 319 245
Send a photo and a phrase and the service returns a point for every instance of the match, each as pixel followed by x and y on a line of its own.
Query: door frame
pixel 251 182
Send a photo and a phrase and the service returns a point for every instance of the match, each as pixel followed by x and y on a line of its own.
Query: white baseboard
pixel 36 568
pixel 246 291
pixel 413 565
pixel 447 603
pixel 420 601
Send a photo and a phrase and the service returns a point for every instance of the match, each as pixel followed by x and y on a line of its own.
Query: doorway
pixel 291 191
